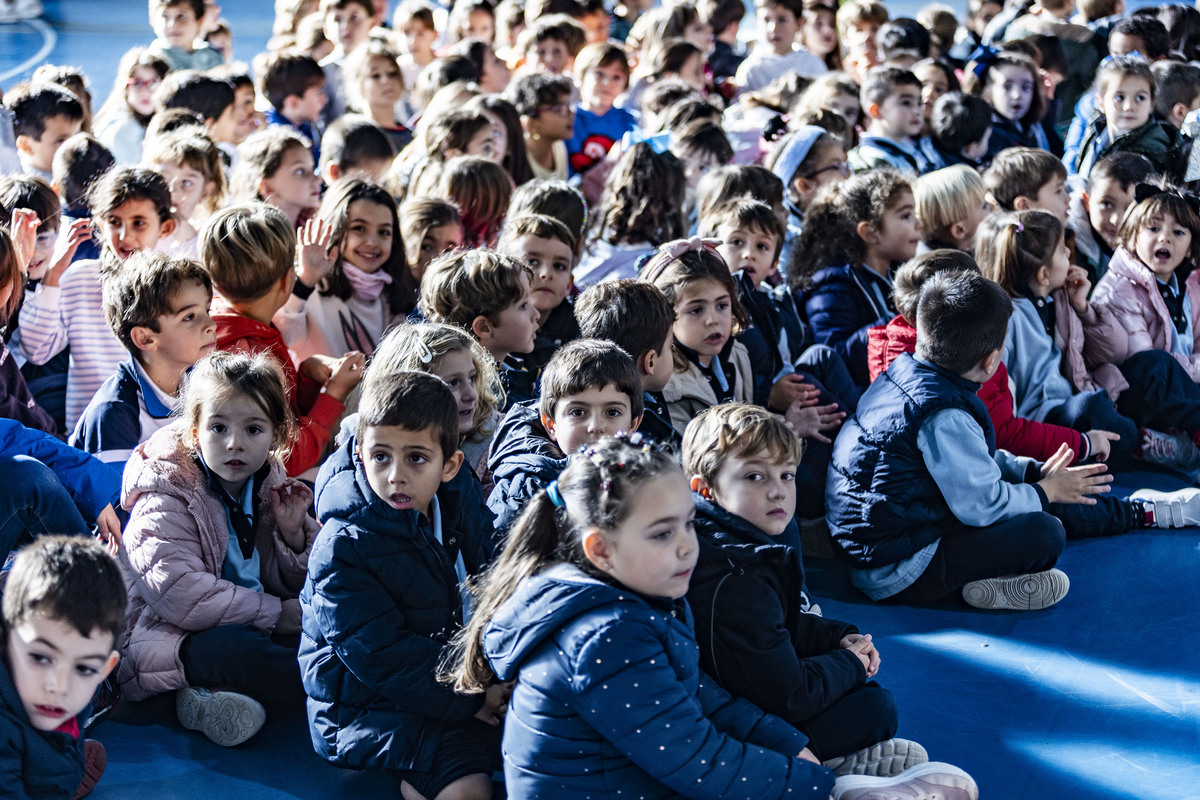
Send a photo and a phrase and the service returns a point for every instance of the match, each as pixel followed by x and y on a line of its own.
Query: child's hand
pixel 1078 287
pixel 316 257
pixel 862 646
pixel 318 368
pixel 1100 443
pixel 495 703
pixel 346 374
pixel 808 755
pixel 290 501
pixel 289 618
pixel 24 235
pixel 808 422
pixel 108 529
pixel 1066 484
pixel 791 389
pixel 64 250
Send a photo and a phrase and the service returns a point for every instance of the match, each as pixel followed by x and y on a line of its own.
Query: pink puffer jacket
pixel 174 548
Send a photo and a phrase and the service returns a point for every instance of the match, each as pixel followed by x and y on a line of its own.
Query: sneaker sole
pixel 936 777
pixel 1018 592
pixel 226 718
pixel 882 760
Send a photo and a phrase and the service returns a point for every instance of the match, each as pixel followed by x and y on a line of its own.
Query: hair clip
pixel 1146 191
pixel 555 497
pixel 1019 226
pixel 426 353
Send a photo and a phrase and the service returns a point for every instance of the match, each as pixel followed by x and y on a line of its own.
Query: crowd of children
pixel 477 379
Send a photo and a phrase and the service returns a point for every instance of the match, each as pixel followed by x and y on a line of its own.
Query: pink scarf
pixel 367 285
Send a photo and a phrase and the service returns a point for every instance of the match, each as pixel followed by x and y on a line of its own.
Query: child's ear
pixel 1043 275
pixel 701 487
pixel 597 549
pixel 866 232
pixel 110 664
pixel 143 338
pixel 25 144
pixel 1022 203
pixel 331 173
pixel 451 152
pixel 264 188
pixel 636 422
pixel 167 228
pixel 992 360
pixel 1178 112
pixel 872 110
pixel 548 424
pixel 452 465
pixel 647 362
pixel 1083 197
pixel 958 231
pixel 481 326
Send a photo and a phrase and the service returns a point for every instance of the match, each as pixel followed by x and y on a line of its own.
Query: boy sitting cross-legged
pixel 63 607
pixel 403 529
pixel 758 641
pixel 590 389
pixel 157 306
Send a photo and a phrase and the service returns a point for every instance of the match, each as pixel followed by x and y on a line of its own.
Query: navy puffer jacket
pixel 34 764
pixel 610 701
pixel 523 460
pixel 840 305
pixel 380 603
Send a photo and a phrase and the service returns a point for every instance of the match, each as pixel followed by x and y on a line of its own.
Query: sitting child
pixel 64 604
pixel 602 72
pixel 758 642
pixel 961 129
pixel 891 100
pixel 950 204
pixel 590 389
pixel 1096 212
pixel 403 531
pixel 217 545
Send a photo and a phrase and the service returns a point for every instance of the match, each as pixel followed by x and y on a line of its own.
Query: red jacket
pixel 1019 436
pixel 316 411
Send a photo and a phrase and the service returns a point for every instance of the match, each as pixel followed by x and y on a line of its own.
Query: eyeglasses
pixel 138 83
pixel 842 167
pixel 560 108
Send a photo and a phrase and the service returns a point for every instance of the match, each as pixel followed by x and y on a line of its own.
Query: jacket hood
pixel 522 446
pixel 160 465
pixel 735 537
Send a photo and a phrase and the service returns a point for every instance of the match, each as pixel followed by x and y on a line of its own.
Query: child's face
pixel 1053 197
pixel 596 24
pixel 977 150
pixel 294 188
pixel 933 86
pixel 483 144
pixel 515 327
pixel 405 468
pixel 778 27
pixel 704 318
pixel 1056 271
pixel 549 56
pixel 56 669
pixel 223 43
pixel 309 105
pixel 457 369
pixel 41 151
pixel 134 225
pixel 1122 44
pixel 978 21
pixel 1106 204
pixel 752 251
pixel 860 38
pixel 243 104
pixel 418 38
pixel 226 127
pixel 551 261
pixel 348 27
pixel 971 225
pixel 847 105
pixel 700 33
pixel 758 489
pixel 139 90
pixel 653 550
pixel 692 72
pixel 899 231
pixel 369 233
pixel 43 251
pixel 900 113
pixel 555 122
pixel 696 165
pixel 177 25
pixel 234 438
pixel 188 187
pixel 494 76
pixel 819 29
pixel 830 167
pixel 441 239
pixel 382 85
pixel 1126 103
pixel 1162 244
pixel 602 86
pixel 585 418
pixel 1010 91
pixel 187 332
pixel 480 25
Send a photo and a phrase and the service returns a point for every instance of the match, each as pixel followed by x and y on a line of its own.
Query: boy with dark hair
pixel 919 501
pixel 776 52
pixel 355 145
pixel 1176 90
pixel 891 101
pixel 64 605
pixel 1097 211
pixel 550 44
pixel 724 17
pixel 1025 178
pixel 211 98
pixel 157 306
pixel 903 37
pixel 176 25
pixel 961 126
pixel 44 116
pixel 404 528
pixel 294 85
pixel 590 389
pixel 858 23
pixel 78 164
pixel 637 317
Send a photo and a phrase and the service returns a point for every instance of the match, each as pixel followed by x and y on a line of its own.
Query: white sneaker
pixel 1178 509
pixel 883 759
pixel 226 718
pixel 932 781
pixel 1018 592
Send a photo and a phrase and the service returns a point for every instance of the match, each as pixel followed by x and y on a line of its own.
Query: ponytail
pixel 1012 247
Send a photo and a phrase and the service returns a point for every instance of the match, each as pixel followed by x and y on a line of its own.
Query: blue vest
pixel 881 503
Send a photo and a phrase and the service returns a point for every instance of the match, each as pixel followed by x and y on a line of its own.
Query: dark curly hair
pixel 641 200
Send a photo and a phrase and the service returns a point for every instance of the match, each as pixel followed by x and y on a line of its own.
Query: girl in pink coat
pixel 216 552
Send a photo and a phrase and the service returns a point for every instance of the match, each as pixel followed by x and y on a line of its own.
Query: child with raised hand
pixel 352 282
pixel 891 100
pixel 217 546
pixel 1096 211
pixel 429 227
pixel 131 209
pixel 1010 83
pixel 856 231
pixel 276 166
pixel 1130 397
pixel 404 528
pixel 248 250
pixel 193 168
pixel 1125 91
pixel 583 609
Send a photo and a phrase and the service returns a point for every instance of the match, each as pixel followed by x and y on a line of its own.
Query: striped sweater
pixel 54 317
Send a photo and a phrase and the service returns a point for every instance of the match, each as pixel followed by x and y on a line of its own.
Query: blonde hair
pixel 420 346
pixel 246 249
pixel 736 429
pixel 221 376
pixel 947 196
pixel 460 286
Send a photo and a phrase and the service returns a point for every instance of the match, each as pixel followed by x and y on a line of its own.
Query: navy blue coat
pixel 840 306
pixel 380 604
pixel 35 765
pixel 610 698
pixel 523 460
pixel 775 337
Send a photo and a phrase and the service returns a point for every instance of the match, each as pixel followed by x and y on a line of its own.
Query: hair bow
pixel 671 251
pixel 1145 191
pixel 659 142
pixel 555 498
pixel 983 57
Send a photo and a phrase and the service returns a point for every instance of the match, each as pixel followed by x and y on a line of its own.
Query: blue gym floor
pixel 1097 698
